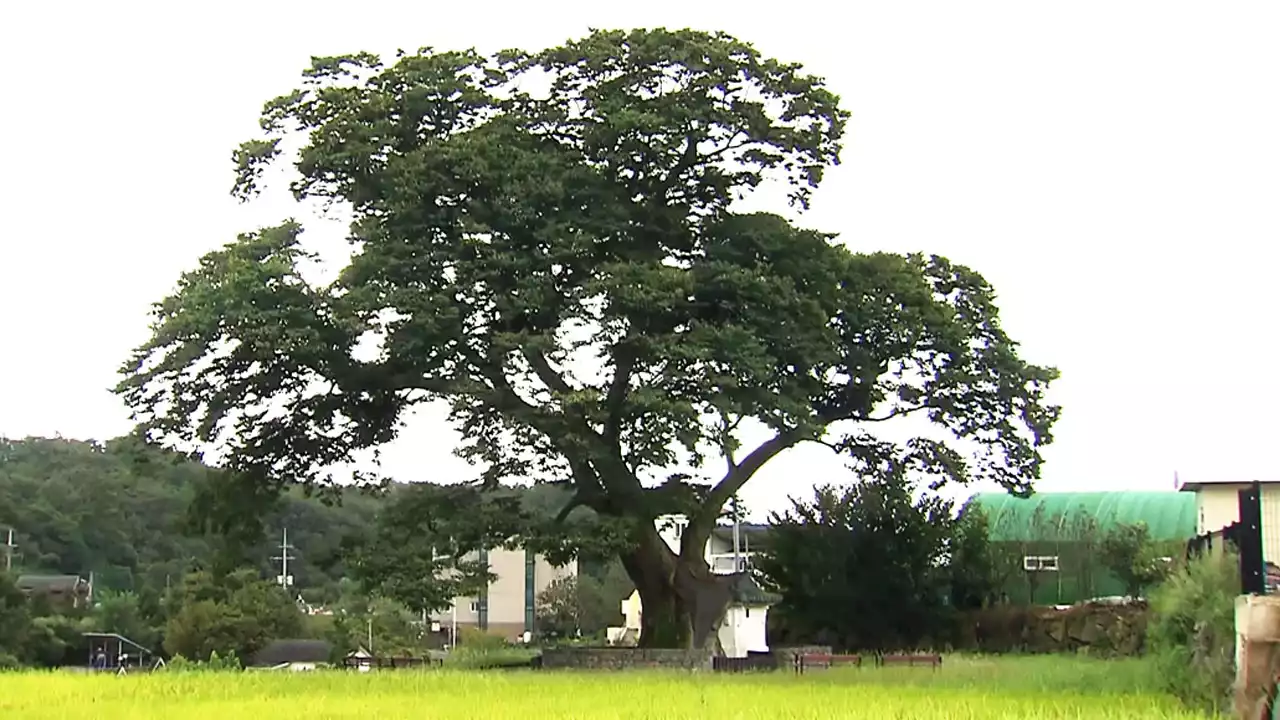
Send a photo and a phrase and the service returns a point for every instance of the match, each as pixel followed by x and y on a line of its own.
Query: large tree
pixel 545 241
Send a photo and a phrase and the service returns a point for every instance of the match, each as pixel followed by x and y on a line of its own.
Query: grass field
pixel 1022 688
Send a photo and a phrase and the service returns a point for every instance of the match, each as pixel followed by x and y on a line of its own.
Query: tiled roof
pixel 745 590
pixel 752 534
pixel 50 583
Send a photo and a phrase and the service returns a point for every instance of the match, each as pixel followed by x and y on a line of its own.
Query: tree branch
pixel 574 503
pixel 727 440
pixel 547 374
pixel 701 524
pixel 586 469
pixel 897 412
pixel 624 363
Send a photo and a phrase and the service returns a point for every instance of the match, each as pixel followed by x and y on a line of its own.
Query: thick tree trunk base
pixel 682 603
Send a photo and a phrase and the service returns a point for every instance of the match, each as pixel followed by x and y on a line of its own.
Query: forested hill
pixel 120 510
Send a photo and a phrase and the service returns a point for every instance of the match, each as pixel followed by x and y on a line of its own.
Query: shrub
pixel 215 663
pixel 1191 635
pixel 479 650
pixel 474 639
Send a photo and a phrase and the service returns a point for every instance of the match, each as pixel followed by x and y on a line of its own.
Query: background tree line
pixel 139 521
pixel 876 564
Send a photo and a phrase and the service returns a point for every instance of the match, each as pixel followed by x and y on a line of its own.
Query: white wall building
pixel 1218 505
pixel 508 606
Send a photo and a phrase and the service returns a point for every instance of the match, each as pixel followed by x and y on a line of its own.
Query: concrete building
pixel 1218 505
pixel 508 607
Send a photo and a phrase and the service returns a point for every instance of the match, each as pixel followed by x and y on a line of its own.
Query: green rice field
pixel 977 688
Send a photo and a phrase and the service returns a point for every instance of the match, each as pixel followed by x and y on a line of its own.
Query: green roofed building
pixel 1047 545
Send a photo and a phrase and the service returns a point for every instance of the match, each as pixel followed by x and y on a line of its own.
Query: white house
pixel 362 659
pixel 1218 505
pixel 745 626
pixel 727 552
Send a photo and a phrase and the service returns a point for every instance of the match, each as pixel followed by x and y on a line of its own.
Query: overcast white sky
pixel 1112 167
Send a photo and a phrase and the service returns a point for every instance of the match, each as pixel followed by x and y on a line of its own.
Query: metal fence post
pixel 1253 578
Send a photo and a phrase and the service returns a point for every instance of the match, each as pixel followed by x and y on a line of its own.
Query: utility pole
pixel 453 634
pixel 737 539
pixel 284 557
pixel 9 548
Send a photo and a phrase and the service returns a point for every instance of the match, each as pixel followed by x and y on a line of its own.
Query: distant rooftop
pixel 1198 485
pixel 51 583
pixel 279 652
pixel 1168 515
pixel 754 529
pixel 745 590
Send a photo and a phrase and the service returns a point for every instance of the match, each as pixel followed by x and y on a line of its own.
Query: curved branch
pixel 547 374
pixel 700 525
pixel 574 503
pixel 739 473
pixel 896 413
pixel 624 362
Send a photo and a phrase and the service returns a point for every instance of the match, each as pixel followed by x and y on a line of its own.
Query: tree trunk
pixel 682 602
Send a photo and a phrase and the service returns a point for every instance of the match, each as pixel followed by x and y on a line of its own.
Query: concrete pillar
pixel 1257 654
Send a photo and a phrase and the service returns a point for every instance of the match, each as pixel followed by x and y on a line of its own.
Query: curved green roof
pixel 1168 515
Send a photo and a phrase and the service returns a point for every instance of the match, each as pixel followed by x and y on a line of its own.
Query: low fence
pixel 610 658
pixel 393 663
pixel 814 661
pixel 755 662
pixel 799 662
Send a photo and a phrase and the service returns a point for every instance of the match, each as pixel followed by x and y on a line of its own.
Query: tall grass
pixel 1191 635
pixel 481 651
pixel 965 688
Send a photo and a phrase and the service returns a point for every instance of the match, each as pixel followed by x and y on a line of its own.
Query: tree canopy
pixel 546 241
pixel 1134 558
pixel 238 611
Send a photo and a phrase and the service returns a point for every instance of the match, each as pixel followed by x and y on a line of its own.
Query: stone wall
pixel 786 656
pixel 1107 630
pixel 622 658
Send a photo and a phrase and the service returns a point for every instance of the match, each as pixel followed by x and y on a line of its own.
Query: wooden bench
pixel 922 660
pixel 825 660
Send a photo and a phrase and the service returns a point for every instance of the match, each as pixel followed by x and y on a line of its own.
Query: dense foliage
pixel 874 566
pixel 238 612
pixel 1130 554
pixel 128 516
pixel 584 605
